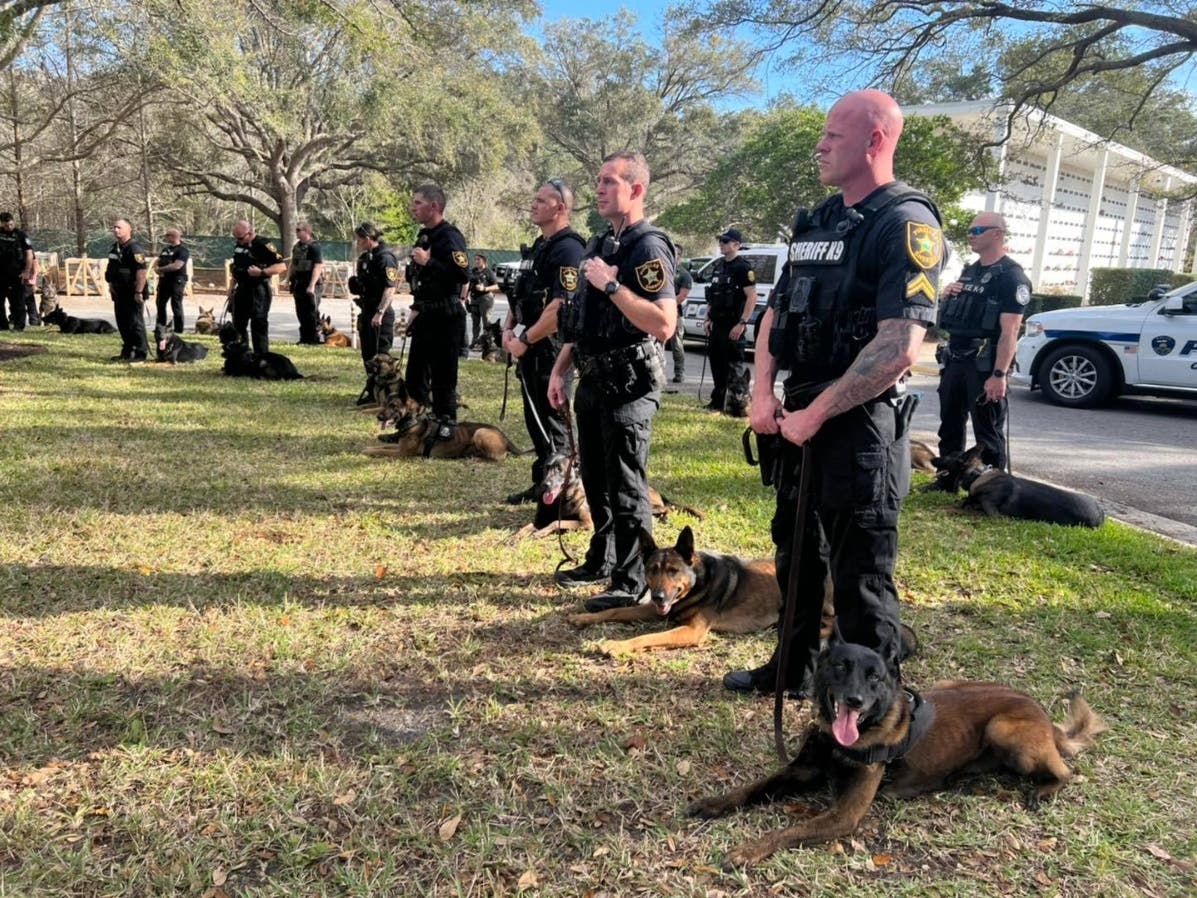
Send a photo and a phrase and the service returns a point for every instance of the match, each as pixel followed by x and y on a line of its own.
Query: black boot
pixel 366 396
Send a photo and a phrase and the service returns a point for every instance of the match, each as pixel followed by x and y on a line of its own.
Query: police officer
pixel 306 282
pixel 126 277
pixel 731 297
pixel 374 282
pixel 846 319
pixel 624 303
pixel 439 270
pixel 483 287
pixel 17 272
pixel 982 312
pixel 548 272
pixel 171 269
pixel 683 283
pixel 255 262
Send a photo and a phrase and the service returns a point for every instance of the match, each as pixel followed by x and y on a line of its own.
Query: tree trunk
pixel 146 192
pixel 73 134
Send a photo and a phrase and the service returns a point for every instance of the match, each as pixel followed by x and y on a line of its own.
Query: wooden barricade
pixel 85 277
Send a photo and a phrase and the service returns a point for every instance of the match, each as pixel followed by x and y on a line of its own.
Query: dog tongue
pixel 549 497
pixel 844 726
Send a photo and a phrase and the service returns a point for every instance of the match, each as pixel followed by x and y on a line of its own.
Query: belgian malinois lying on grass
pixel 867 726
pixel 332 336
pixel 697 592
pixel 1000 494
pixel 416 436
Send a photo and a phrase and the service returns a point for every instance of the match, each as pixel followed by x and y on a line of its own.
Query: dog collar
pixel 921 717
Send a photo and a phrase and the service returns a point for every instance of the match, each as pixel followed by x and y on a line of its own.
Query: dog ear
pixel 647 544
pixel 685 543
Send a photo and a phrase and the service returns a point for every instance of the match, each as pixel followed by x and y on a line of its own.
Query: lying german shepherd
pixel 922 457
pixel 69 324
pixel 696 591
pixel 867 727
pixel 205 321
pixel 174 349
pixel 737 401
pixel 239 361
pixel 416 437
pixel 332 336
pixel 997 493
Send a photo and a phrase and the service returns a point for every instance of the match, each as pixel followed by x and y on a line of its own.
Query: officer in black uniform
pixel 548 272
pixel 306 282
pixel 171 269
pixel 731 298
pixel 373 283
pixel 846 319
pixel 17 271
pixel 610 327
pixel 255 261
pixel 483 287
pixel 438 271
pixel 126 277
pixel 683 283
pixel 982 312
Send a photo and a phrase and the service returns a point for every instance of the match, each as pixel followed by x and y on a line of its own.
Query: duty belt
pixel 587 363
pixel 957 355
pixel 800 395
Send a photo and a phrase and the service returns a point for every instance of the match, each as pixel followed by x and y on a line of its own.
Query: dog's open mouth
pixel 550 494
pixel 844 726
pixel 662 604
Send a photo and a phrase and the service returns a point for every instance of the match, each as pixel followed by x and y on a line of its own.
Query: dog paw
pixel 747 854
pixel 710 807
pixel 579 621
pixel 613 648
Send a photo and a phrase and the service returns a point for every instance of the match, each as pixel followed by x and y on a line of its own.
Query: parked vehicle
pixel 1084 356
pixel 767 260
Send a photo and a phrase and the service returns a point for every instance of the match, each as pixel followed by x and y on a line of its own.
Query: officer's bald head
pixel 242 230
pixel 874 111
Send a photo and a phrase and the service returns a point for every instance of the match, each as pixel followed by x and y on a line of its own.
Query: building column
pixel 1050 178
pixel 1128 229
pixel 1086 253
pixel 1157 233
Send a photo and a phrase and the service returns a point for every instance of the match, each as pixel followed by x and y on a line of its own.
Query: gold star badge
pixel 651 276
pixel 461 259
pixel 392 274
pixel 569 279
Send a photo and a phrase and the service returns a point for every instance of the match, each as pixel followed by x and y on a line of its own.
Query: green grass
pixel 239 657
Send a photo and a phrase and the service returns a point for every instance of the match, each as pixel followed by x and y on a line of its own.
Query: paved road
pixel 1138 456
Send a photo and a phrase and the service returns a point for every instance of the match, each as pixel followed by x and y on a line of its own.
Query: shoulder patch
pixel 139 258
pixel 651 275
pixel 569 278
pixel 1022 294
pixel 270 246
pixel 392 273
pixel 752 275
pixel 924 244
pixel 461 259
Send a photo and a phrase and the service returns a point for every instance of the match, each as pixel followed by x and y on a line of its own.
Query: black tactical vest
pixel 721 293
pixel 12 252
pixel 828 312
pixel 532 289
pixel 372 274
pixel 588 317
pixel 976 310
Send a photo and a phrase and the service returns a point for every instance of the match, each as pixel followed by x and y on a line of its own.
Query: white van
pixel 767 260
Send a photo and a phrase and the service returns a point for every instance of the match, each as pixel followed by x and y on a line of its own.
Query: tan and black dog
pixel 867 726
pixel 737 401
pixel 205 322
pixel 332 336
pixel 1000 494
pixel 416 437
pixel 922 457
pixel 697 592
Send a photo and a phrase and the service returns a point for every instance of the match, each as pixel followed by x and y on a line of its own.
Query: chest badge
pixel 569 279
pixel 924 244
pixel 651 276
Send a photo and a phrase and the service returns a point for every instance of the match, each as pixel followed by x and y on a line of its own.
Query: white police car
pixel 1084 356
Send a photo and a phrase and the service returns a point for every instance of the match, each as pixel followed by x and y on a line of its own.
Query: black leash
pixel 784 632
pixel 506 381
pixel 703 374
pixel 569 470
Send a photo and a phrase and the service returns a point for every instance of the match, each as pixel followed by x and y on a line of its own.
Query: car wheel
pixel 1076 376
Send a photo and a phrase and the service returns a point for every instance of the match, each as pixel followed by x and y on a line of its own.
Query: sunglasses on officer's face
pixel 978 230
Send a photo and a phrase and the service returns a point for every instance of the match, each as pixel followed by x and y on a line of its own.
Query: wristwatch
pixel 998 372
pixel 523 338
pixel 743 321
pixel 612 286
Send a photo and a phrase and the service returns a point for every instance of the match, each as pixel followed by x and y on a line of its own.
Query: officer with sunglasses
pixel 982 312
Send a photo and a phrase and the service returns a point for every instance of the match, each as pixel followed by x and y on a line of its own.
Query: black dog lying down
pixel 997 493
pixel 173 348
pixel 239 361
pixel 69 324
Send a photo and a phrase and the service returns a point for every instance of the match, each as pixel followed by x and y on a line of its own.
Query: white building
pixel 1074 202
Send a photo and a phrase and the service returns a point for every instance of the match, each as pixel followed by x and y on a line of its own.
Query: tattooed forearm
pixel 883 360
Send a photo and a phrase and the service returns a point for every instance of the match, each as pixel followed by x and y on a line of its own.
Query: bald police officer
pixel 126 277
pixel 171 268
pixel 440 268
pixel 548 272
pixel 846 319
pixel 255 261
pixel 982 312
pixel 624 303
